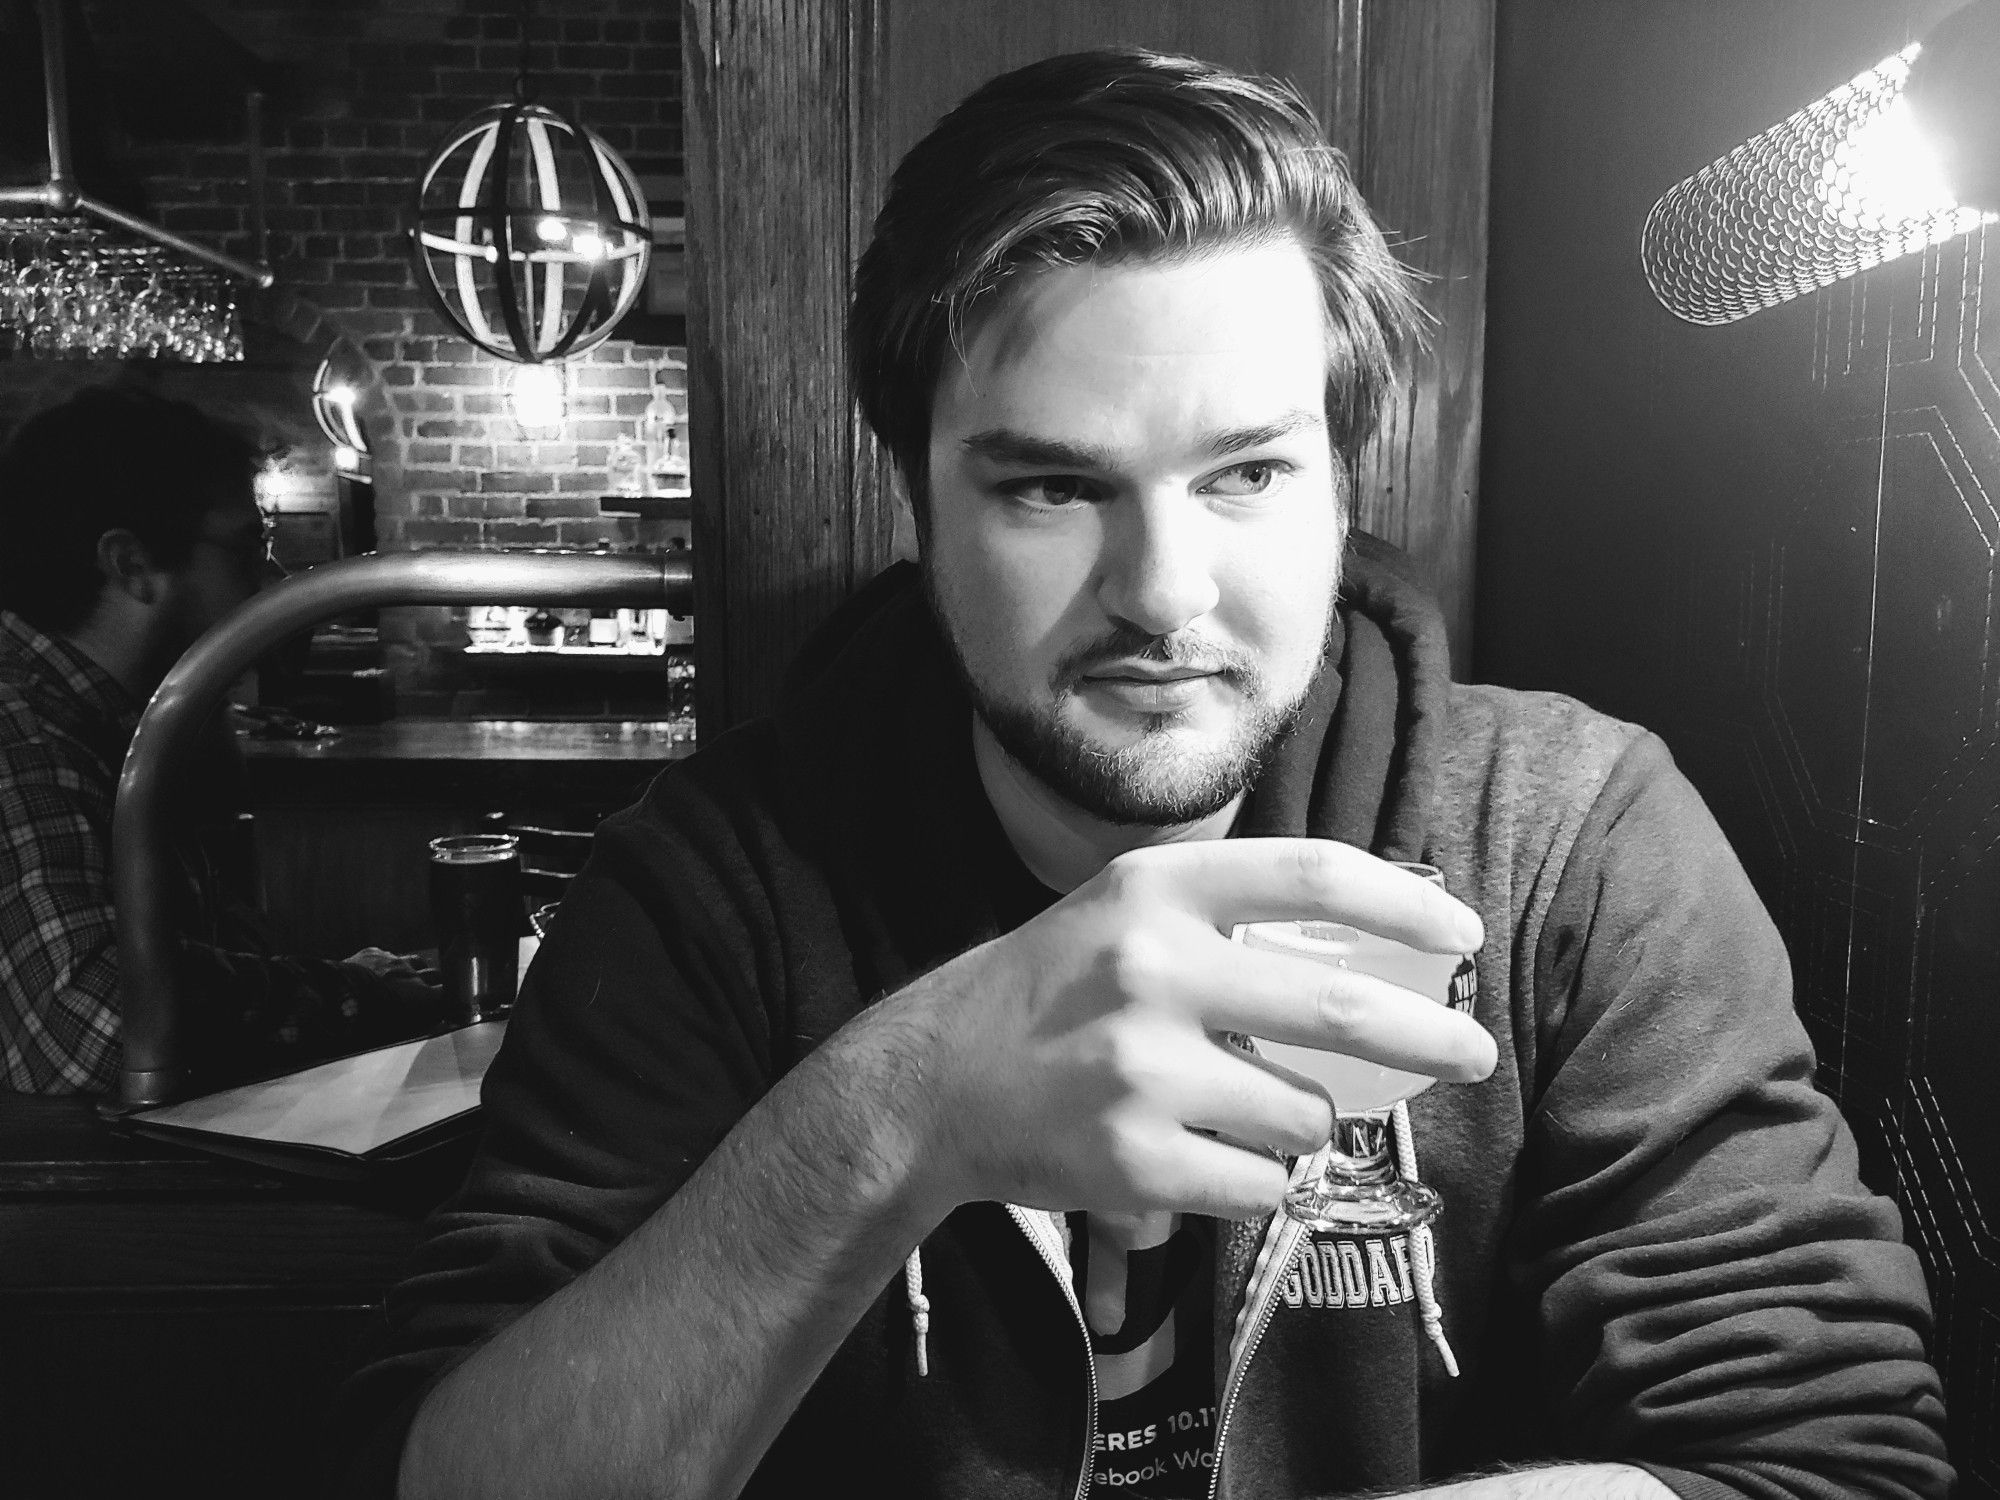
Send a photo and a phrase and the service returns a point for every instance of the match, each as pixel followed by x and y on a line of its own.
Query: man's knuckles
pixel 1137 964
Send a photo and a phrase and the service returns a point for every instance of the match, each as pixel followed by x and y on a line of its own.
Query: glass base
pixel 1355 1189
pixel 1362 1208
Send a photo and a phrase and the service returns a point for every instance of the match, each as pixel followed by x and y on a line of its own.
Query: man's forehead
pixel 1235 297
pixel 1214 346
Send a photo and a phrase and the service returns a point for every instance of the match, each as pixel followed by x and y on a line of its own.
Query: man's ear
pixel 124 563
pixel 904 545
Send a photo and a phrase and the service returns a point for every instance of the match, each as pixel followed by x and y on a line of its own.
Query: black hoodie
pixel 1655 1248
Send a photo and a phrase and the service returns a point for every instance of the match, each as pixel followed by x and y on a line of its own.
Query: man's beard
pixel 1150 782
pixel 172 631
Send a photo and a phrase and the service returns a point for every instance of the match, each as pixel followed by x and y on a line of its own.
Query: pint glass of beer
pixel 476 911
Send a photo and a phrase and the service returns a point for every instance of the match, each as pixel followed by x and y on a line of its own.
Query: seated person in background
pixel 128 526
pixel 880 1115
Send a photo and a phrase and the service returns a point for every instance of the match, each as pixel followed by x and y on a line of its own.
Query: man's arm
pixel 1068 1064
pixel 58 953
pixel 1560 1482
pixel 247 1012
pixel 1717 1290
pixel 674 1362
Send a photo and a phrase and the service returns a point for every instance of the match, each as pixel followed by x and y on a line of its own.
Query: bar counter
pixel 342 822
pixel 588 755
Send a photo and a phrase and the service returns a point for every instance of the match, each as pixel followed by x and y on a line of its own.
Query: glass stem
pixel 1361 1149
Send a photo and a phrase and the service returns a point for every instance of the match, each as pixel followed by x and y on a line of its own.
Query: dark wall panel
pixel 1773 543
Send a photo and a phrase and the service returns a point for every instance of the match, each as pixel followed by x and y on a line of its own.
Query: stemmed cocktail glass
pixel 1354 1187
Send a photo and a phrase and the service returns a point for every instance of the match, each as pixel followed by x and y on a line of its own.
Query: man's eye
pixel 1247 479
pixel 1050 490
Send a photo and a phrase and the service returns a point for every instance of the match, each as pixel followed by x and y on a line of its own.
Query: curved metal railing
pixel 155 1071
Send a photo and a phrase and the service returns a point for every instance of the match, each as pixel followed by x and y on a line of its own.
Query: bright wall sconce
pixel 1903 157
pixel 334 402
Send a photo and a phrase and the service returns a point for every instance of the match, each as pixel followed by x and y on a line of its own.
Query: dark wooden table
pixel 176 1321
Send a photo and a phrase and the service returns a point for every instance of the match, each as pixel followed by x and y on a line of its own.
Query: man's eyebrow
pixel 1236 439
pixel 1005 445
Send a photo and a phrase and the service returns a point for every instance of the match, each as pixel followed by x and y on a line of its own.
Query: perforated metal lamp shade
pixel 1831 192
pixel 532 235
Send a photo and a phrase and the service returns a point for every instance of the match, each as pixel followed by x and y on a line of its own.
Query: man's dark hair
pixel 1101 157
pixel 109 457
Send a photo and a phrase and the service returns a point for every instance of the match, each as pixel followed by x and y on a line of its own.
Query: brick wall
pixel 365 90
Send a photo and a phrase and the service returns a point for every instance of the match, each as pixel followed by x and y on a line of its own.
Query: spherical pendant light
pixel 532 234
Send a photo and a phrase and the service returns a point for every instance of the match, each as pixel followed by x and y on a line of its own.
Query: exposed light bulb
pixel 538 395
pixel 589 246
pixel 1886 171
pixel 346 458
pixel 551 230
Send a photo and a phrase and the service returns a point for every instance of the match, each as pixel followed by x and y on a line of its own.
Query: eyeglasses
pixel 255 552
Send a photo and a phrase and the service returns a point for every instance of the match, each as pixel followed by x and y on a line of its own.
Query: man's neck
pixel 120 649
pixel 1060 843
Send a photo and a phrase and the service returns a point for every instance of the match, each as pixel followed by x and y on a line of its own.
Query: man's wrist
pixel 858 1125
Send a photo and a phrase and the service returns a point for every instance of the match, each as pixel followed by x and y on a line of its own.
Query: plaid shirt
pixel 65 724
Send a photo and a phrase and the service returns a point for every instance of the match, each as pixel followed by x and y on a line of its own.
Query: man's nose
pixel 1158 570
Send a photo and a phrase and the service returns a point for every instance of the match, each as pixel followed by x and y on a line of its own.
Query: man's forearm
pixel 671 1365
pixel 1563 1482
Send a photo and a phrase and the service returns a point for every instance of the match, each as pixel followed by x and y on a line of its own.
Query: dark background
pixel 1773 544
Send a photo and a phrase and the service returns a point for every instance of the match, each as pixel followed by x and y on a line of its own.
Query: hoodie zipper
pixel 1282 1242
pixel 1259 1307
pixel 1041 1233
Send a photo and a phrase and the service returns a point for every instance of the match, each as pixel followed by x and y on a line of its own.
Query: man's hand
pixel 402 976
pixel 1072 1063
pixel 1077 1062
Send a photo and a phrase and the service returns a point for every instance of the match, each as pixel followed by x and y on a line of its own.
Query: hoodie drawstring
pixel 1423 1250
pixel 920 1309
pixel 1423 1265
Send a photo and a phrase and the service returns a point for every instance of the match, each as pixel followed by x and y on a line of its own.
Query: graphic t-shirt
pixel 1147 1285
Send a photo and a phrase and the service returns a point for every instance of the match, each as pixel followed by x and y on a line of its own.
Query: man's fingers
pixel 1225 1181
pixel 1308 1004
pixel 1256 1104
pixel 1227 882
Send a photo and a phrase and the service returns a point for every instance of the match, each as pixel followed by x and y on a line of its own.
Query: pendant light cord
pixel 521 68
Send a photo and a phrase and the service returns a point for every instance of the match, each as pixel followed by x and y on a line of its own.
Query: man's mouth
pixel 1149 687
pixel 1144 673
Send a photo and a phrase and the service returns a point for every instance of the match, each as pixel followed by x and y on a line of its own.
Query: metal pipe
pixel 45 195
pixel 261 275
pixel 60 193
pixel 55 90
pixel 253 128
pixel 142 869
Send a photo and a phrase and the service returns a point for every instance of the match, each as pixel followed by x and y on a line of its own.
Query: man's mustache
pixel 1126 643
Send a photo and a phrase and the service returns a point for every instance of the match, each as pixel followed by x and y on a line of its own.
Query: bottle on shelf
pixel 666 441
pixel 625 473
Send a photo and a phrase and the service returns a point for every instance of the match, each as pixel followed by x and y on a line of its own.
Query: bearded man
pixel 882 1111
